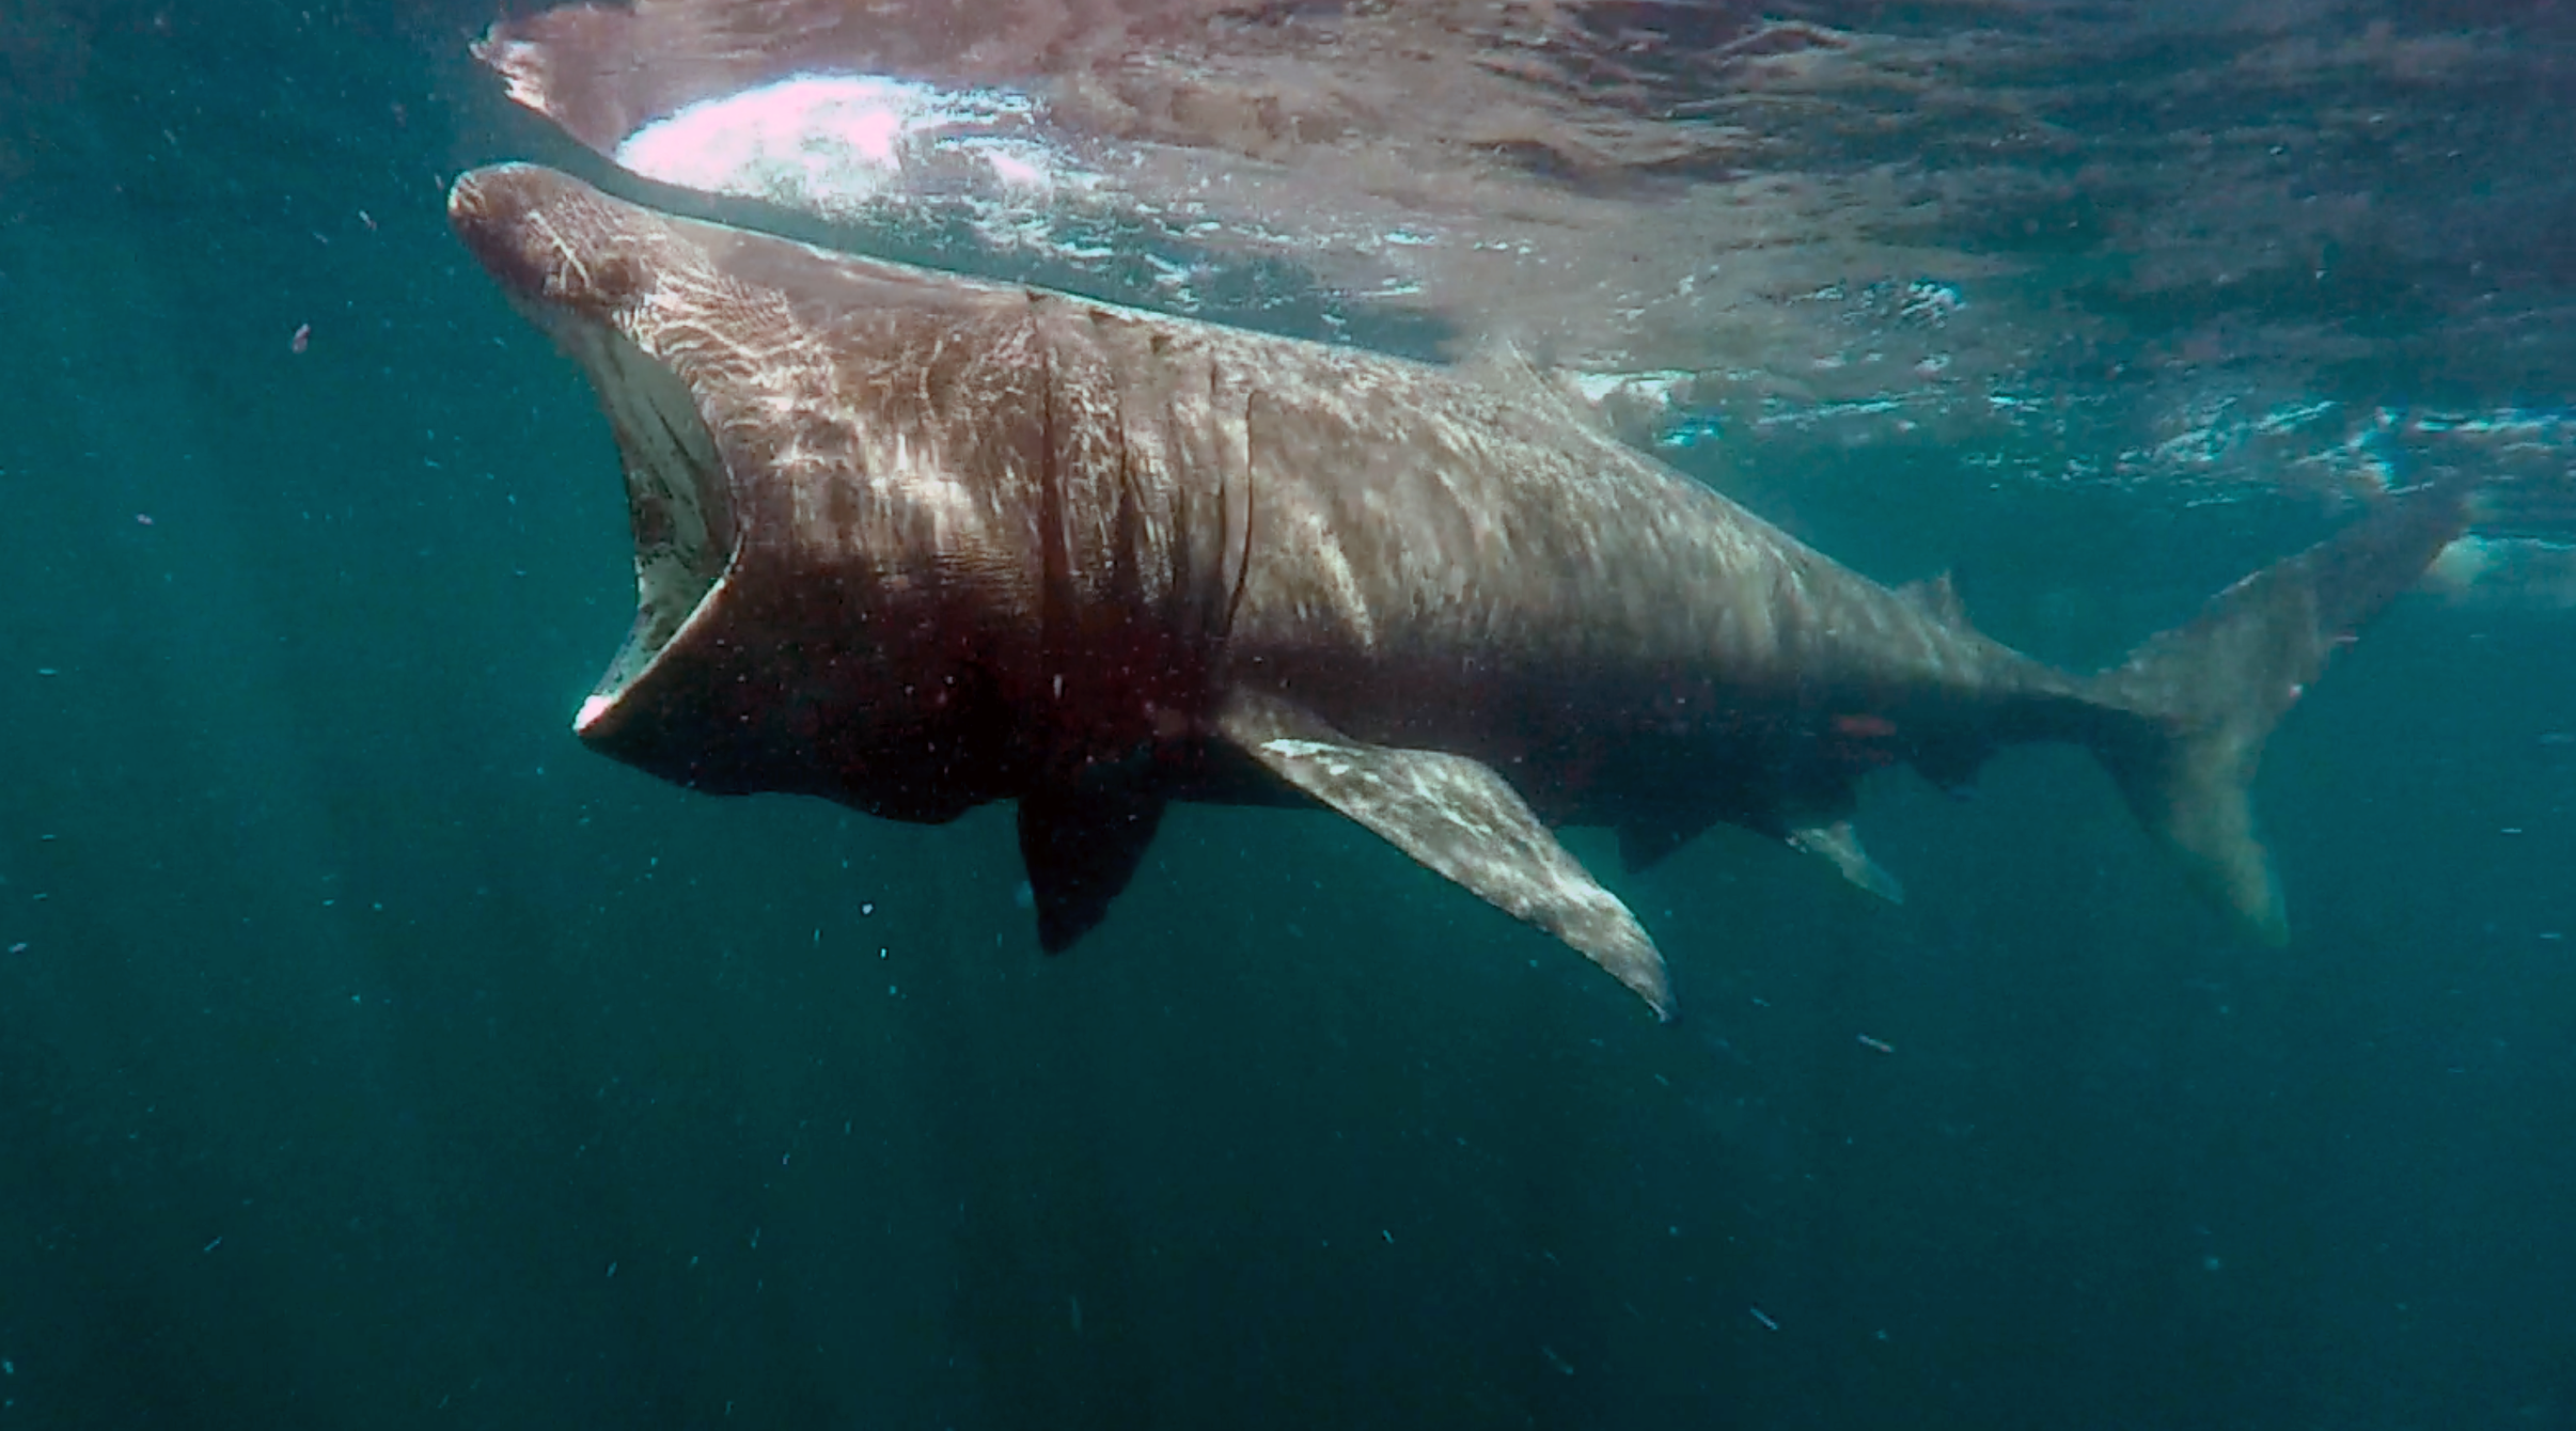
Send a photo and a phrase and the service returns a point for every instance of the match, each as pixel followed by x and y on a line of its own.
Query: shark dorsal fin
pixel 1504 367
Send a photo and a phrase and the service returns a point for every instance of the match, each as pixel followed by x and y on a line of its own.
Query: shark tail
pixel 2208 694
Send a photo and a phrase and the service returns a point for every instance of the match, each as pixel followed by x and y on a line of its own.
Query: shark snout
pixel 549 240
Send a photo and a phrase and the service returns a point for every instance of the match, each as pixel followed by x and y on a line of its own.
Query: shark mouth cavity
pixel 678 495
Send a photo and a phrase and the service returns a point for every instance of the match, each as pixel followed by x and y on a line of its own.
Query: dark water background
pixel 372 1056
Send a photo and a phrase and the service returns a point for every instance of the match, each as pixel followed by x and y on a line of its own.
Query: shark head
pixel 828 534
pixel 570 264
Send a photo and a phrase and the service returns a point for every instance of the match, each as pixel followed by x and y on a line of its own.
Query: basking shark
pixel 915 542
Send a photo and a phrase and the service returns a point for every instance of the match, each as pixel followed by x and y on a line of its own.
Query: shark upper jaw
pixel 543 239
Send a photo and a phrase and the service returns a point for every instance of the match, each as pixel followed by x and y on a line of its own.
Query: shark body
pixel 917 542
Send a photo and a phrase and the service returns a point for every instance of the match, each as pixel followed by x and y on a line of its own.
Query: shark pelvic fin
pixel 1461 820
pixel 1837 845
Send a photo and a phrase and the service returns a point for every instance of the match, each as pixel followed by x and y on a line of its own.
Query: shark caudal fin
pixel 2212 690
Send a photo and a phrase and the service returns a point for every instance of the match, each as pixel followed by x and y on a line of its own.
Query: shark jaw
pixel 678 498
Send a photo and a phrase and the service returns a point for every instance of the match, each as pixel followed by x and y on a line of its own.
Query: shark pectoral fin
pixel 1837 845
pixel 1080 847
pixel 1461 820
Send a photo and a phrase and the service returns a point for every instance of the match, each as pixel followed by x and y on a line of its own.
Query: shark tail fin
pixel 2208 693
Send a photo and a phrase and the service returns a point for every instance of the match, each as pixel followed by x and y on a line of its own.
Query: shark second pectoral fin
pixel 1460 819
pixel 1837 845
pixel 1080 847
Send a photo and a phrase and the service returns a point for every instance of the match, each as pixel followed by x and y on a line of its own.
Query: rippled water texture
pixel 2306 244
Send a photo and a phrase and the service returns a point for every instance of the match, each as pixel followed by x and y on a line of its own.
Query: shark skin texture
pixel 916 542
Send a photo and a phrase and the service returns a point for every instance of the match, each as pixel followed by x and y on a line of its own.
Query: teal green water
pixel 371 1055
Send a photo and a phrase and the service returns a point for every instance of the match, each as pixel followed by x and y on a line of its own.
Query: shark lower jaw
pixel 678 499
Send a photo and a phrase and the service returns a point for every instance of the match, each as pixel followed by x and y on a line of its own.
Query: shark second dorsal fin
pixel 1459 819
pixel 1937 597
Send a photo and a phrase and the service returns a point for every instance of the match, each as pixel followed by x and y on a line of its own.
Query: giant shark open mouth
pixel 678 495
